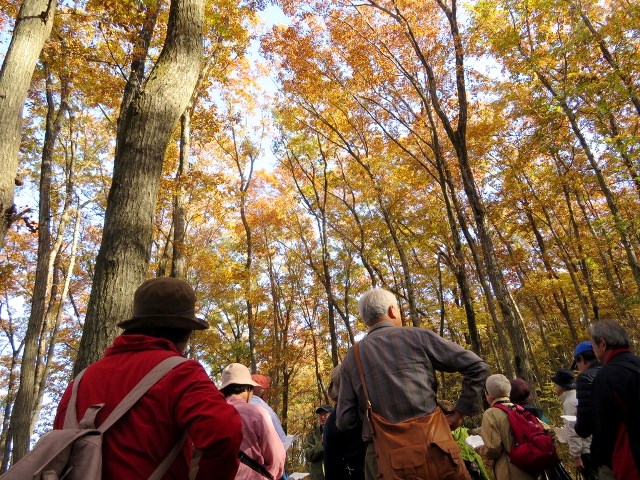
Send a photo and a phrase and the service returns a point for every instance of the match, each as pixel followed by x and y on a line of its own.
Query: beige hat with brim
pixel 237 374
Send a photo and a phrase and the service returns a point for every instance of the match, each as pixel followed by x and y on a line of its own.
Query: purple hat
pixel 520 391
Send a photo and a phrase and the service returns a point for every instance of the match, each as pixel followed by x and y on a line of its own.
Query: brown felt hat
pixel 164 302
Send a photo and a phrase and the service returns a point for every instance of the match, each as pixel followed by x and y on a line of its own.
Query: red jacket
pixel 184 399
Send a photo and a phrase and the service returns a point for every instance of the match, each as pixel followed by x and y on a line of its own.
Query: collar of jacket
pixel 382 324
pixel 613 353
pixel 138 343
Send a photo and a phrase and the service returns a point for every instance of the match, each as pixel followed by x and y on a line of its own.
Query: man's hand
pixel 578 462
pixel 454 419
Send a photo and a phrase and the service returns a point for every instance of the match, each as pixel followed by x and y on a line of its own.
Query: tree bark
pixel 148 122
pixel 178 258
pixel 32 28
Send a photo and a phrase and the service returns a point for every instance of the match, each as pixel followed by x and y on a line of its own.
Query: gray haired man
pixel 614 399
pixel 399 366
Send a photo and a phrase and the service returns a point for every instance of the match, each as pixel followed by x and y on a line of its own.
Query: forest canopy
pixel 479 160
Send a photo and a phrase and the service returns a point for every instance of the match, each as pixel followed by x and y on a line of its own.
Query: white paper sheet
pixel 474 441
pixel 288 441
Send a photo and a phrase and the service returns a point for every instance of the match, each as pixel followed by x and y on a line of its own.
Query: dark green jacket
pixel 314 452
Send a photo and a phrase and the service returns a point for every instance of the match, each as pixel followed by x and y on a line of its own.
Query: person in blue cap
pixel 585 361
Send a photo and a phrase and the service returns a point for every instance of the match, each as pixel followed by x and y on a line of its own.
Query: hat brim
pixel 320 410
pixel 235 381
pixel 167 321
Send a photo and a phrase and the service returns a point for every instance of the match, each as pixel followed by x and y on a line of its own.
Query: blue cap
pixel 581 348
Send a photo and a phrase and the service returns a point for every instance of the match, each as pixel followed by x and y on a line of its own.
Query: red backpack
pixel 533 449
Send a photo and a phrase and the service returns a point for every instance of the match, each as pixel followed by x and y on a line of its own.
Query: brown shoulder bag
pixel 420 448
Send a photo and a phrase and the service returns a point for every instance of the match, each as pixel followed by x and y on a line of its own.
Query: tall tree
pixel 143 135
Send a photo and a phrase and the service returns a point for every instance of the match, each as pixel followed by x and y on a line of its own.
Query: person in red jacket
pixel 184 400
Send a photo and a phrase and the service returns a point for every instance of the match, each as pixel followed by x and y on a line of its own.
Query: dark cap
pixel 564 378
pixel 164 302
pixel 324 408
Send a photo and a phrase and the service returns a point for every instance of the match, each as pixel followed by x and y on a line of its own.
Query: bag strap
pixel 71 417
pixel 164 466
pixel 254 465
pixel 356 353
pixel 149 380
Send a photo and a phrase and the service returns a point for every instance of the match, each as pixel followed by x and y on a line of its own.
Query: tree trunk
pixel 626 79
pixel 11 382
pixel 32 28
pixel 457 137
pixel 317 206
pixel 22 417
pixel 148 122
pixel 178 259
pixel 459 263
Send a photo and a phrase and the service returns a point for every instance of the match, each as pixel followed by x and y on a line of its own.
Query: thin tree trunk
pixel 57 314
pixel 22 417
pixel 584 267
pixel 459 261
pixel 551 274
pixel 457 137
pixel 317 206
pixel 12 382
pixel 178 259
pixel 620 223
pixel 148 122
pixel 625 78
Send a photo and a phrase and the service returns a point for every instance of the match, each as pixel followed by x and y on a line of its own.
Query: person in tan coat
pixel 496 431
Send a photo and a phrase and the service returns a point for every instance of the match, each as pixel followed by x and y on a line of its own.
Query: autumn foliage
pixel 478 160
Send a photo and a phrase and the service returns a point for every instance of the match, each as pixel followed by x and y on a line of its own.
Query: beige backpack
pixel 75 452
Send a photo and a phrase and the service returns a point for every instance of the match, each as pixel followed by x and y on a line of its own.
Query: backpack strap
pixel 149 380
pixel 71 417
pixel 164 466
